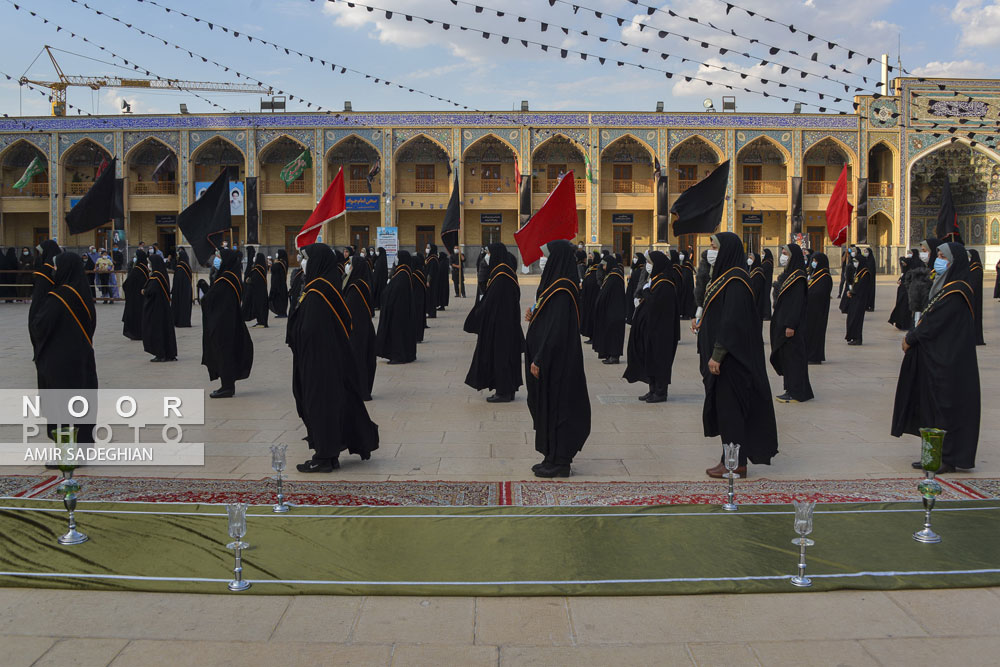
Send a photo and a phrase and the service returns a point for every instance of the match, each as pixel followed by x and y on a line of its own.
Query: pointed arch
pixel 423 135
pixel 269 145
pixel 558 135
pixel 763 138
pixel 353 135
pixel 494 136
pixel 719 153
pixel 633 137
pixel 78 145
pixel 128 154
pixel 852 157
pixel 201 147
pixel 3 153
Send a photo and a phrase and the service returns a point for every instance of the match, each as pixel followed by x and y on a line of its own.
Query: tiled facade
pixel 417 153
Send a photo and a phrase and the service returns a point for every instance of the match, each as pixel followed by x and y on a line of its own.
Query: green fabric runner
pixel 499 550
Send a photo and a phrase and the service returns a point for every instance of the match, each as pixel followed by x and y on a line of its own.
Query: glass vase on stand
pixel 65 438
pixel 731 460
pixel 278 465
pixel 803 526
pixel 237 515
pixel 931 449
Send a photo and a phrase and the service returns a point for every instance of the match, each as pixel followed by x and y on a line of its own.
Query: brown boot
pixel 719 471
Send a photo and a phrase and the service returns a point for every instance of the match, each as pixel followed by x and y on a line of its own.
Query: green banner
pixel 36 167
pixel 294 169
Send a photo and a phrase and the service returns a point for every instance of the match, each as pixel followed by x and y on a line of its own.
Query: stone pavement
pixel 433 427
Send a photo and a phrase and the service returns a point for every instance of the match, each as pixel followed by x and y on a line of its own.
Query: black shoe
pixel 278 317
pixel 552 470
pixel 785 398
pixel 610 361
pixel 588 342
pixel 157 359
pixel 854 342
pixel 945 467
pixel 223 392
pixel 657 398
pixel 645 397
pixel 393 362
pixel 312 465
pixel 500 398
pixel 538 466
pixel 815 363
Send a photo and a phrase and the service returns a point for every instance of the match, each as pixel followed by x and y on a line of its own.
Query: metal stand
pixel 238 584
pixel 801 580
pixel 281 507
pixel 731 506
pixel 68 487
pixel 929 488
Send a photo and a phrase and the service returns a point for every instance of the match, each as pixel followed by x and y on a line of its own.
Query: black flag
pixel 947 221
pixel 97 207
pixel 699 208
pixel 206 217
pixel 452 219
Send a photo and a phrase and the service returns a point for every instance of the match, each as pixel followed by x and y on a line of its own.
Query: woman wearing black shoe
pixel 255 295
pixel 278 296
pixel 329 395
pixel 180 291
pixel 652 344
pixel 226 347
pixel 859 295
pixel 608 339
pixel 818 308
pixel 358 297
pixel 788 327
pixel 158 337
pixel 557 387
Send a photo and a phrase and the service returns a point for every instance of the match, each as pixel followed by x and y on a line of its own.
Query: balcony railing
pixel 627 186
pixel 880 189
pixel 30 190
pixel 826 187
pixel 281 188
pixel 763 188
pixel 545 185
pixel 75 189
pixel 359 186
pixel 154 188
pixel 425 185
pixel 486 185
pixel 681 185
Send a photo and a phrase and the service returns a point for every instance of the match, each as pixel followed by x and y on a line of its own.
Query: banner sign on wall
pixel 236 195
pixel 363 202
pixel 388 238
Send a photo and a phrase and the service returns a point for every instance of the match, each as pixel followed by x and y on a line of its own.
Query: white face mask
pixel 783 260
pixel 427 249
pixel 681 256
pixel 813 264
pixel 487 258
pixel 710 255
pixel 855 264
pixel 749 261
pixel 909 255
pixel 303 264
pixel 924 256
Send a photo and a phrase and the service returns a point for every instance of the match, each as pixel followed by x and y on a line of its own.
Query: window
pixel 425 178
pixel 815 173
pixel 817 236
pixel 752 172
pixel 360 172
pixel 491 172
pixel 491 234
pixel 623 240
pixel 556 170
pixel 687 172
pixel 622 172
pixel 425 236
pixel 751 238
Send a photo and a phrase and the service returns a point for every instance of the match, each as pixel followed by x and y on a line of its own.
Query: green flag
pixel 590 173
pixel 36 167
pixel 294 169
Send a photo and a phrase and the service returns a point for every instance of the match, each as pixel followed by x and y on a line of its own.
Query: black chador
pixel 788 327
pixel 138 275
pixel 636 279
pixel 328 391
pixel 738 407
pixel 652 344
pixel 764 297
pixel 996 284
pixel 44 278
pixel 589 288
pixel 557 387
pixel 226 347
pixel 380 276
pixel 158 338
pixel 686 304
pixel 818 308
pixel 678 278
pixel 180 291
pixel 608 339
pixel 976 282
pixel 482 275
pixel 295 288
pixel 255 294
pixel 358 296
pixel 849 262
pixel 901 316
pixel 251 256
pixel 430 269
pixel 418 283
pixel 758 282
pixel 444 273
pixel 396 338
pixel 859 296
pixel 496 362
pixel 938 383
pixel 278 296
pixel 62 330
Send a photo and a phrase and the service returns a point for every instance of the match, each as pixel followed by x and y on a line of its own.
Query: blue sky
pixel 958 38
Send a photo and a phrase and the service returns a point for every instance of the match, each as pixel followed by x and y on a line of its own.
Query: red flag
pixel 838 211
pixel 330 207
pixel 100 170
pixel 556 219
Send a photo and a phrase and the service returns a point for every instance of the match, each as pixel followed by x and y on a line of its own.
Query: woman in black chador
pixel 788 327
pixel 757 280
pixel 976 282
pixel 818 308
pixel 764 298
pixel 358 297
pixel 278 296
pixel 636 279
pixel 430 269
pixel 380 277
pixel 608 339
pixel 850 261
pixel 938 383
pixel 226 347
pixel 396 339
pixel 557 387
pixel 251 256
pixel 589 288
pixel 43 277
pixel 180 291
pixel 62 330
pixel 295 288
pixel 901 316
pixel 158 338
pixel 418 283
pixel 444 274
pixel 255 294
pixel 686 304
pixel 328 391
pixel 859 295
pixel 496 362
pixel 138 275
pixel 738 407
pixel 651 341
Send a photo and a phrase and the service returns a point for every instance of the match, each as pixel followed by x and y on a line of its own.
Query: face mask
pixel 711 255
pixel 854 253
pixel 813 264
pixel 217 263
pixel 303 265
pixel 25 253
pixel 487 258
pixel 940 265
pixel 363 254
pixel 924 256
pixel 909 255
pixel 749 261
pixel 783 260
pixel 427 249
pixel 855 264
pixel 681 256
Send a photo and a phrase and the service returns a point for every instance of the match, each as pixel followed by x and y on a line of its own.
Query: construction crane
pixel 58 88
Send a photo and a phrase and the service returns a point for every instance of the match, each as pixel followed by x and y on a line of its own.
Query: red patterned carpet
pixel 469 494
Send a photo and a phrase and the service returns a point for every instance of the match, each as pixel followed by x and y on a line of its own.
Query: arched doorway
pixel 26 207
pixel 822 165
pixel 423 175
pixel 207 161
pixel 690 161
pixel 82 163
pixel 627 201
pixel 550 161
pixel 489 187
pixel 151 176
pixel 762 194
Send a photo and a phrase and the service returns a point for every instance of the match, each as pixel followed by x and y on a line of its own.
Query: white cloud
pixel 886 26
pixel 980 23
pixel 960 69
